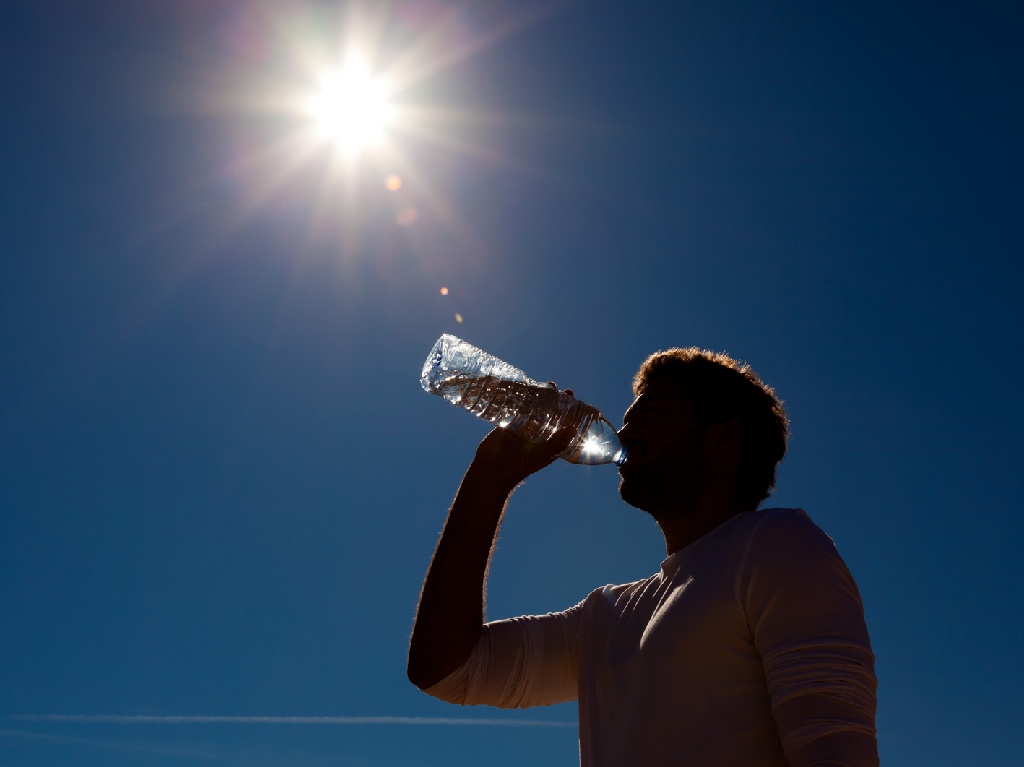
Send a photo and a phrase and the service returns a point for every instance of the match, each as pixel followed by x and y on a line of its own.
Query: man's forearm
pixel 450 615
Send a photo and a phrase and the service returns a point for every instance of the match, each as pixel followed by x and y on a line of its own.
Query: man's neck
pixel 684 527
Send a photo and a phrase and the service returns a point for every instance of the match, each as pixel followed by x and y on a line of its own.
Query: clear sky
pixel 220 482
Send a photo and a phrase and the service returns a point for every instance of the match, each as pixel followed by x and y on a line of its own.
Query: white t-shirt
pixel 744 650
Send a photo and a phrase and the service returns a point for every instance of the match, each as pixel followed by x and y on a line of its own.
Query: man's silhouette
pixel 747 648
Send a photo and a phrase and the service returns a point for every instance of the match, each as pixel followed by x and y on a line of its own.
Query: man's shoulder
pixel 778 515
pixel 785 521
pixel 780 523
pixel 788 539
pixel 614 593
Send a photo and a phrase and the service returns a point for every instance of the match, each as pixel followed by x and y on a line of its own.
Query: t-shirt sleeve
pixel 518 663
pixel 807 620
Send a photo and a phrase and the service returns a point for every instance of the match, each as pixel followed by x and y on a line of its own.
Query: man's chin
pixel 649 498
pixel 629 493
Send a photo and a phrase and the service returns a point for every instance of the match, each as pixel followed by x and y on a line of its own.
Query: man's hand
pixel 507 459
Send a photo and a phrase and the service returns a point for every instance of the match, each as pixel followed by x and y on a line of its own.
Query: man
pixel 747 649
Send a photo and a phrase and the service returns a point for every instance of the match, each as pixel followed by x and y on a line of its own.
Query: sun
pixel 351 107
pixel 322 107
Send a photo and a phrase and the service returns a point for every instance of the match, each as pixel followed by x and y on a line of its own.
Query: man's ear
pixel 723 439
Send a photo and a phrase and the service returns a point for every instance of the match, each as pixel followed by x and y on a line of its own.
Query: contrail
pixel 147 719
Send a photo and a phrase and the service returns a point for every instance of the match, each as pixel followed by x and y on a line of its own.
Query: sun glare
pixel 335 100
pixel 351 107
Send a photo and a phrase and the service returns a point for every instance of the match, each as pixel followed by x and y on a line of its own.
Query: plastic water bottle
pixel 504 395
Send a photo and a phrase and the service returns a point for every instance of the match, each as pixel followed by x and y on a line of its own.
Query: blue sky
pixel 221 482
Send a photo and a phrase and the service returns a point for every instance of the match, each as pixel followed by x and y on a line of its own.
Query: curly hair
pixel 721 388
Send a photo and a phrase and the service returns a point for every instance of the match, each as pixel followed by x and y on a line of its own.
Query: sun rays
pixel 334 106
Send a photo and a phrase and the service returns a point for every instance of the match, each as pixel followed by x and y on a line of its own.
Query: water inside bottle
pixel 536 412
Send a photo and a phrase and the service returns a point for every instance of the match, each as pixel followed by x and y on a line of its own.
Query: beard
pixel 638 491
pixel 665 488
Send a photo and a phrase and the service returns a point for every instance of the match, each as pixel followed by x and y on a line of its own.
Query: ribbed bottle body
pixel 505 396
